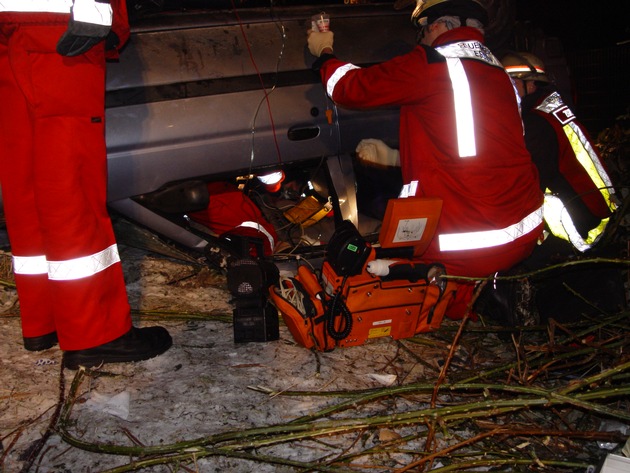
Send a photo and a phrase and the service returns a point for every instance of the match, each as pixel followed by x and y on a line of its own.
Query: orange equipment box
pixel 382 308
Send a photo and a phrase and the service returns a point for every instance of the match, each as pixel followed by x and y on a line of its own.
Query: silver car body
pixel 186 100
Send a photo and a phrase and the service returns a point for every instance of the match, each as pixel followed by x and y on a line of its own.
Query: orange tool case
pixel 396 308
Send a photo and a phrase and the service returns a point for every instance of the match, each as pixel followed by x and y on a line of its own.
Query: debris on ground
pixel 539 399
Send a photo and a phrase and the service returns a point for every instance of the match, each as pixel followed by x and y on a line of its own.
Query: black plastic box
pixel 255 321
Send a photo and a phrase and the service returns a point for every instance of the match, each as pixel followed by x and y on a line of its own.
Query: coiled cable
pixel 337 308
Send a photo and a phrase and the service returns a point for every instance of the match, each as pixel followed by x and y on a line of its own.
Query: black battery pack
pixel 256 320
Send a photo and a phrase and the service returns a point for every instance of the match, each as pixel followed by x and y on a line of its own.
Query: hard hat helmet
pixel 524 66
pixel 427 11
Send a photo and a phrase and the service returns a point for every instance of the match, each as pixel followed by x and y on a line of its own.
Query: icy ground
pixel 207 385
pixel 201 386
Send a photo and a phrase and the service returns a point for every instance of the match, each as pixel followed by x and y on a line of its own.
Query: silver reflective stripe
pixel 336 77
pixel 89 11
pixel 32 6
pixel 461 89
pixel 518 101
pixel 463 108
pixel 30 265
pixel 409 190
pixel 261 229
pixel 470 50
pixel 551 103
pixel 490 238
pixel 83 267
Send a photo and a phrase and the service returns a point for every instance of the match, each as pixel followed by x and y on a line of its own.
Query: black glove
pixel 90 23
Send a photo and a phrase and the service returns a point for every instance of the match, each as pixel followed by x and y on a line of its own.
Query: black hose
pixel 345 314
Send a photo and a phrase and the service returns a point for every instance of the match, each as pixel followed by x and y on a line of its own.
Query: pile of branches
pixel 544 410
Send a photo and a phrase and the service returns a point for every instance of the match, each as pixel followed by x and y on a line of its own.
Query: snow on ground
pixel 201 386
pixel 207 385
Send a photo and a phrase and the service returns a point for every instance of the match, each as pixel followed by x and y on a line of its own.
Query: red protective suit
pixel 231 212
pixel 53 176
pixel 491 216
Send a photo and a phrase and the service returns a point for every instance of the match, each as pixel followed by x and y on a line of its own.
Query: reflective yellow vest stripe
pixel 556 216
pixel 561 225
pixel 587 157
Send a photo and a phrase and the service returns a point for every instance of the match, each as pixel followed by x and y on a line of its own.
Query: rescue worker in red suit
pixel 579 200
pixel 579 196
pixel 461 138
pixel 53 176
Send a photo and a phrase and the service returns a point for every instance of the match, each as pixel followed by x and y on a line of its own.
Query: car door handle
pixel 301 133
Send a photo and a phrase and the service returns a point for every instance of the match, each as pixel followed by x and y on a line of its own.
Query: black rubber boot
pixel 507 302
pixel 136 345
pixel 43 342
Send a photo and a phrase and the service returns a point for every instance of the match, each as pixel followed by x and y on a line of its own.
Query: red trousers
pixel 53 174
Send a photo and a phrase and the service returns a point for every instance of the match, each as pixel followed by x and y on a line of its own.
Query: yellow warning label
pixel 380 332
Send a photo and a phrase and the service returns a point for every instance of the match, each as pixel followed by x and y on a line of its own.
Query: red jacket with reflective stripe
pixel 120 21
pixel 492 190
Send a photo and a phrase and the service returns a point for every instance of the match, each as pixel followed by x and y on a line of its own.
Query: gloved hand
pixel 90 22
pixel 375 152
pixel 379 267
pixel 317 41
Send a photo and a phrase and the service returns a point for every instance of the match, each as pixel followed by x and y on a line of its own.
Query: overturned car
pixel 216 94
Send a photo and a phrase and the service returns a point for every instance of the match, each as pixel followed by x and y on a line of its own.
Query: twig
pixel 220 316
pixel 452 448
pixel 36 447
pixel 6 451
pixel 7 283
pixel 262 436
pixel 592 395
pixel 486 462
pixel 566 264
pixel 449 358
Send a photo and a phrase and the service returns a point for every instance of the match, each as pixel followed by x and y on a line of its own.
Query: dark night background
pixel 580 24
pixel 595 37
